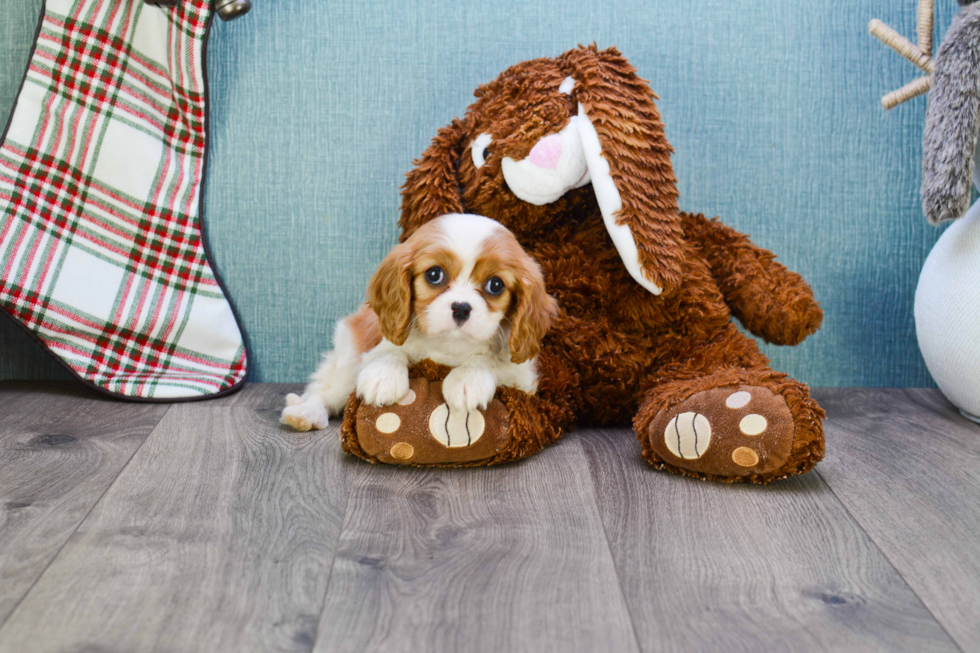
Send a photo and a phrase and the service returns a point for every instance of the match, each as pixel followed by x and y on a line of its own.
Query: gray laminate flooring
pixel 209 527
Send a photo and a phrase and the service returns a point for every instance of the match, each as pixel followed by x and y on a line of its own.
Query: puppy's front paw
pixel 382 383
pixel 469 388
pixel 306 416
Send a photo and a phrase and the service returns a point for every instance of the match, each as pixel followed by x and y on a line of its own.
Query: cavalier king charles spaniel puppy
pixel 460 291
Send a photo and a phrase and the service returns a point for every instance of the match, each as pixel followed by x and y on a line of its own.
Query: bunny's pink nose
pixel 546 152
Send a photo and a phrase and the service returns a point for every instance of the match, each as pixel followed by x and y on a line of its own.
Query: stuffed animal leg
pixel 723 414
pixel 421 432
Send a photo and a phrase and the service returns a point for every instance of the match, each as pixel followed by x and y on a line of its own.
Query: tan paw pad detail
pixel 402 451
pixel 408 399
pixel 745 457
pixel 688 435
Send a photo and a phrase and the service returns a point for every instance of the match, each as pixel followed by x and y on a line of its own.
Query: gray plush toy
pixel 947 299
pixel 953 120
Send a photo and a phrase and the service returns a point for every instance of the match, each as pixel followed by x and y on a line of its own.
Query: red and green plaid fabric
pixel 101 172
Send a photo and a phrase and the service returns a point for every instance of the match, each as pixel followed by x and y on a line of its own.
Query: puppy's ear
pixel 533 313
pixel 432 186
pixel 390 294
pixel 629 162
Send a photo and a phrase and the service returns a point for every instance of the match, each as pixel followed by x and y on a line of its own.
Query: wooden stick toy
pixel 919 54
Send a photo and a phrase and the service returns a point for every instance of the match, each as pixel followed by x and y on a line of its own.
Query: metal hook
pixel 231 9
pixel 226 9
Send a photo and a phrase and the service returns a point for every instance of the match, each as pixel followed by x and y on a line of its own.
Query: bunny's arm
pixel 952 120
pixel 772 302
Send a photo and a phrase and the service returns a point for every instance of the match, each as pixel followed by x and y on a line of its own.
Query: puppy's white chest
pixel 445 351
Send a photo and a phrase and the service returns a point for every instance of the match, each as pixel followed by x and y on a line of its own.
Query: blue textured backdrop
pixel 318 109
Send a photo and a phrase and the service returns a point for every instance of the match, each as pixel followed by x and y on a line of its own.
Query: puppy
pixel 460 291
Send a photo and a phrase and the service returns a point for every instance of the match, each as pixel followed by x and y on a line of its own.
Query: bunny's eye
pixel 480 149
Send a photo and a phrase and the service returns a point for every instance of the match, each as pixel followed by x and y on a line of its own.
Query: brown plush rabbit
pixel 570 154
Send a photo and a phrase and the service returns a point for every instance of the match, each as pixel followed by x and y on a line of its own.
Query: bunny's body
pixel 570 155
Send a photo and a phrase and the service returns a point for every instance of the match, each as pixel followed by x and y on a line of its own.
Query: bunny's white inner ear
pixel 610 202
pixel 479 144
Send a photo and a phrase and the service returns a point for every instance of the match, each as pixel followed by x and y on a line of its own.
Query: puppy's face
pixel 463 277
pixel 462 281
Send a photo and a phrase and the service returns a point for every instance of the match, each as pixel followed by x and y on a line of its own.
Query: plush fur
pixel 628 344
pixel 952 121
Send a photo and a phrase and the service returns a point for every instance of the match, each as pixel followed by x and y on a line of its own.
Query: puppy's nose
pixel 461 311
pixel 546 152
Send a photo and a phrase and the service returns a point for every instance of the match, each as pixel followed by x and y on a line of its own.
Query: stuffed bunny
pixel 570 154
pixel 947 299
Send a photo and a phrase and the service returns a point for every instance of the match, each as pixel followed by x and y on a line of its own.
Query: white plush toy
pixel 947 312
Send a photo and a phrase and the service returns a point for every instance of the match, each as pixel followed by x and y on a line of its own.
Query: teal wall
pixel 772 106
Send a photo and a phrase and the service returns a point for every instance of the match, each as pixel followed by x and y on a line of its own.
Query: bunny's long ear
pixel 952 121
pixel 432 187
pixel 629 162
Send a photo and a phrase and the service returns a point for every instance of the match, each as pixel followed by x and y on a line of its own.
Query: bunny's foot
pixel 733 426
pixel 421 429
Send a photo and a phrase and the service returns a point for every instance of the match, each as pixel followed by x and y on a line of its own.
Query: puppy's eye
pixel 435 275
pixel 480 149
pixel 494 286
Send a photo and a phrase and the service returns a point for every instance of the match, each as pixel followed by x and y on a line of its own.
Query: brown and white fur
pixel 453 318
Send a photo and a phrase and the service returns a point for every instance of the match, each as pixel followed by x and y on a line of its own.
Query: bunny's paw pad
pixel 728 431
pixel 421 429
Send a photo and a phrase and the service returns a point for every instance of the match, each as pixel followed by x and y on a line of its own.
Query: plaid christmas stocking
pixel 101 171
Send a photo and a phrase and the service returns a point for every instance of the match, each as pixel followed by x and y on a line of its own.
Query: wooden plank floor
pixel 208 527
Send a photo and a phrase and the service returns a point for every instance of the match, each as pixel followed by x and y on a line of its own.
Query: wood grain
pixel 510 558
pixel 218 536
pixel 706 566
pixel 221 531
pixel 268 398
pixel 907 466
pixel 61 447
